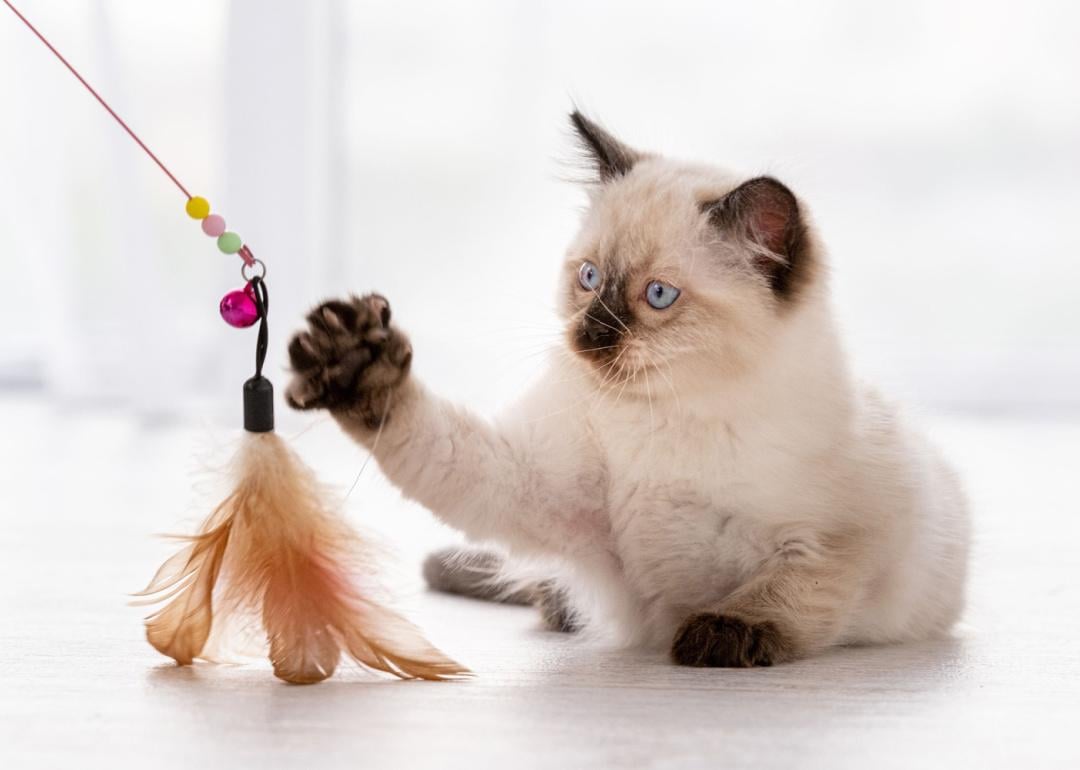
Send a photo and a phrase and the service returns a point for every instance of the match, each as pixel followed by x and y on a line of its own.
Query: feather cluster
pixel 276 550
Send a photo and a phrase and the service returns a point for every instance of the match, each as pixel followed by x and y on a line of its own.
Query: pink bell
pixel 238 309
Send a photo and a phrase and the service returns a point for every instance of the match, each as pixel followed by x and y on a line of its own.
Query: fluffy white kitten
pixel 715 481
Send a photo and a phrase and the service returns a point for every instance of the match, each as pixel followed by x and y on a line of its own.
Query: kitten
pixel 714 482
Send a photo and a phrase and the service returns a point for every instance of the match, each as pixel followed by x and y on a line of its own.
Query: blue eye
pixel 661 295
pixel 588 276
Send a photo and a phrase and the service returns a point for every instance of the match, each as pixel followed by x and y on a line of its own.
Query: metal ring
pixel 244 269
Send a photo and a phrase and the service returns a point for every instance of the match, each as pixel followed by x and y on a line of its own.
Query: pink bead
pixel 238 309
pixel 214 225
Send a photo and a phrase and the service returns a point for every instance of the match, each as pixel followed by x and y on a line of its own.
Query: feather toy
pixel 275 549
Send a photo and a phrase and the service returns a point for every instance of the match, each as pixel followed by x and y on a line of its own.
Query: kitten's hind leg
pixel 792 608
pixel 477 574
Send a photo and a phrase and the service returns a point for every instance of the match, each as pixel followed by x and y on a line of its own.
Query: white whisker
pixel 374 445
pixel 648 392
pixel 626 381
pixel 604 305
pixel 614 329
pixel 671 383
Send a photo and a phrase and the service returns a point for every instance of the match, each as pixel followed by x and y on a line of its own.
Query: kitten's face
pixel 678 271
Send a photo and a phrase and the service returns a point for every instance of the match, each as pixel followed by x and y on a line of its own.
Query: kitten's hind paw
pixel 349 359
pixel 722 641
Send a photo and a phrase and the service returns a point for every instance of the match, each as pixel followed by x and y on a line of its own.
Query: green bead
pixel 229 243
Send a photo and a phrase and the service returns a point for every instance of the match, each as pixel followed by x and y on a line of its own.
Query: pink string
pixel 97 96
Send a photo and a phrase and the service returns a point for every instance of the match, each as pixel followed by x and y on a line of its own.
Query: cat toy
pixel 274 551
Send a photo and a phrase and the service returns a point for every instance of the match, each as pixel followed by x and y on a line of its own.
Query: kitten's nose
pixel 594 331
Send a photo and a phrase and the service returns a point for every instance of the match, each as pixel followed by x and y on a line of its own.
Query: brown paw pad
pixel 721 641
pixel 349 357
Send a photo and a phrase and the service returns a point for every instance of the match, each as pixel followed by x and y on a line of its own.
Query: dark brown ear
pixel 609 157
pixel 766 213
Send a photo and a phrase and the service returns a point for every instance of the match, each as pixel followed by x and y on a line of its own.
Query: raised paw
pixel 350 359
pixel 722 641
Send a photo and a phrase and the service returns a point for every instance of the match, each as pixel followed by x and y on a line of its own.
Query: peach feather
pixel 276 547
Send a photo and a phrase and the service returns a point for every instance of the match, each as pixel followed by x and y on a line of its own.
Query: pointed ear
pixel 609 157
pixel 766 213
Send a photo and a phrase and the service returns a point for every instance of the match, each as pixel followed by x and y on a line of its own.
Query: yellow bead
pixel 198 208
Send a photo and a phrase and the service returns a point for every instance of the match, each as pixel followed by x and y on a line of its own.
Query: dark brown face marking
pixel 608 157
pixel 604 322
pixel 767 213
pixel 721 641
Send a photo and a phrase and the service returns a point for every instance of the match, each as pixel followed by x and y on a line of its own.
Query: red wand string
pixel 197 207
pixel 97 96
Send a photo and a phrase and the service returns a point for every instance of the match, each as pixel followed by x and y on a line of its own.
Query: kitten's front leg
pixel 484 482
pixel 793 607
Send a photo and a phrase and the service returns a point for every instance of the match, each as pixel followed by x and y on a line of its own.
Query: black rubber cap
pixel 258 405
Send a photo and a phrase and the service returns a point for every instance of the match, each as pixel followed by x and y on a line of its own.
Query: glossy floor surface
pixel 80 495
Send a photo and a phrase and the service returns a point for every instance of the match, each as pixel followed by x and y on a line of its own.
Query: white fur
pixel 732 445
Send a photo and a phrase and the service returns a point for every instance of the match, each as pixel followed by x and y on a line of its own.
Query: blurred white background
pixel 417 149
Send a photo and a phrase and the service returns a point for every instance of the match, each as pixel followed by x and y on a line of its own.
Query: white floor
pixel 80 496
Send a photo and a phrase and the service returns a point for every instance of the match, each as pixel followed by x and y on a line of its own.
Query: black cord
pixel 262 304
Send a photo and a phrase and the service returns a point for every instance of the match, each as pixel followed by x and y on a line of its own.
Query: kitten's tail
pixel 483 574
pixel 476 573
